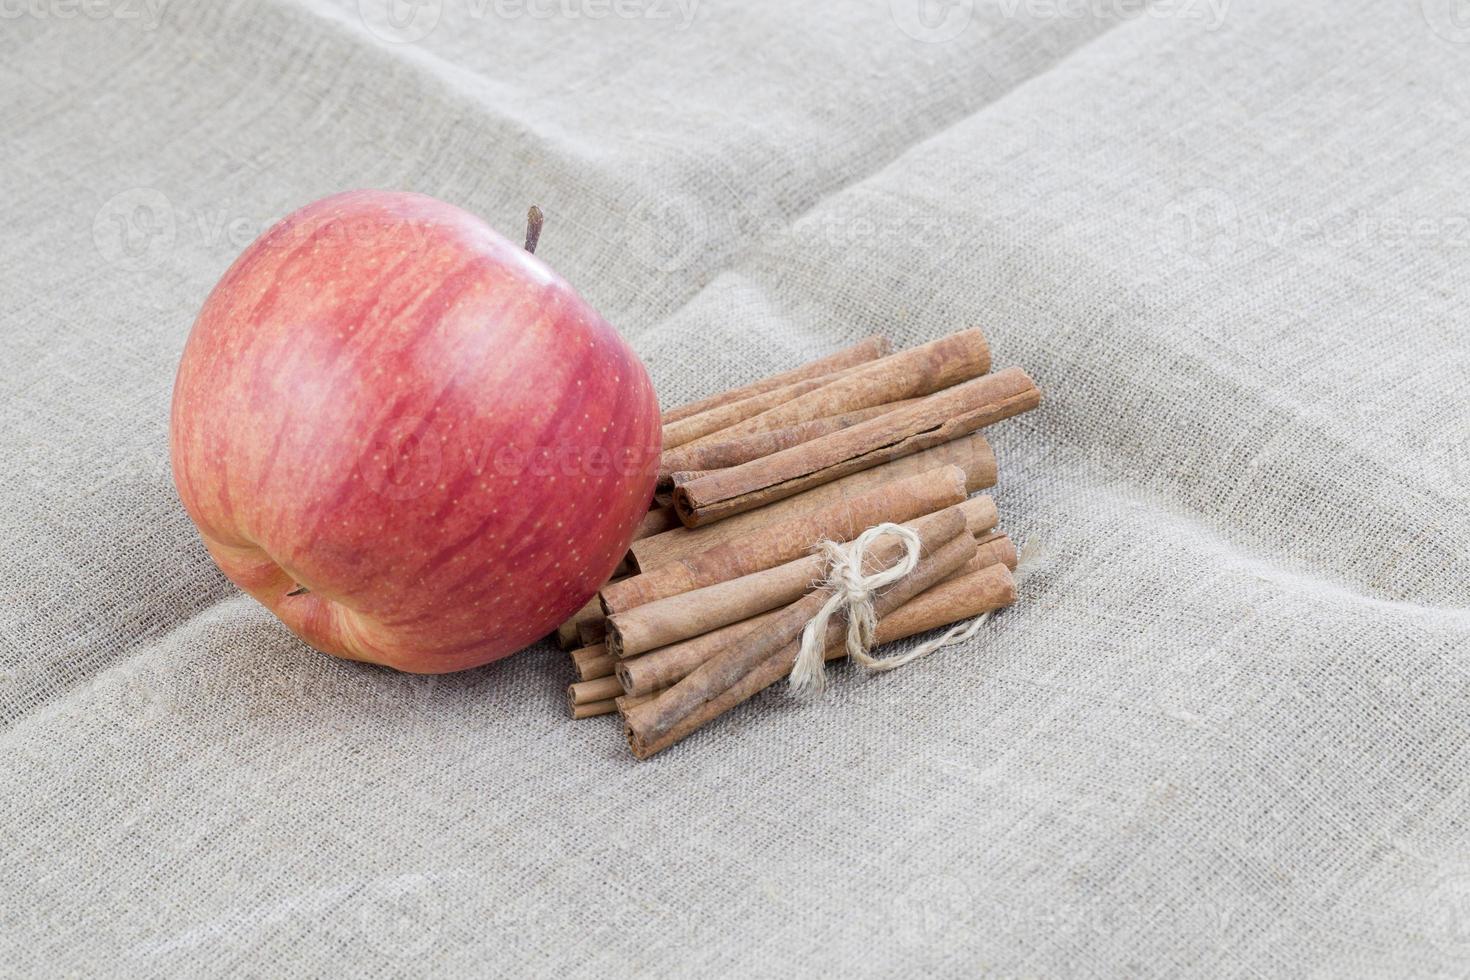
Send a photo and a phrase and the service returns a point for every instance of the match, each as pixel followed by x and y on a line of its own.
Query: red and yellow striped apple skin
pixel 391 405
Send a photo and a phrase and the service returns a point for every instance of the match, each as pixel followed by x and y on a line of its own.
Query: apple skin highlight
pixel 388 404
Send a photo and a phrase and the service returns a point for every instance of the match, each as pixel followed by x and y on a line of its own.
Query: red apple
pixel 386 404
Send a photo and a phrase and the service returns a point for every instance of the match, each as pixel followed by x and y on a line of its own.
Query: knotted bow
pixel 852 591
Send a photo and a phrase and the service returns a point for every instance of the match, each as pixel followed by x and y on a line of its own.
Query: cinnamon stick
pixel 658 520
pixel 756 662
pixel 593 662
pixel 775 544
pixel 599 689
pixel 689 614
pixel 738 658
pixel 594 708
pixel 628 701
pixel 742 449
pixel 973 593
pixel 869 349
pixel 981 586
pixel 722 417
pixel 997 548
pixel 971 453
pixel 931 421
pixel 590 631
pixel 568 636
pixel 909 373
pixel 980 516
pixel 666 666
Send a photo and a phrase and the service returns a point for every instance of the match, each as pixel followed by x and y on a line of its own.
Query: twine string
pixel 852 594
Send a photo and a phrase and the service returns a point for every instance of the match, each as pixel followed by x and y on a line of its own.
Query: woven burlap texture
pixel 1223 734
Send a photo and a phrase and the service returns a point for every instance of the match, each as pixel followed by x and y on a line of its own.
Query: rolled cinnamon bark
pixel 568 636
pixel 717 419
pixel 970 453
pixel 668 665
pixel 742 449
pixel 939 418
pixel 775 544
pixel 659 520
pixel 910 373
pixel 593 709
pixel 944 535
pixel 628 701
pixel 697 612
pixel 591 631
pixel 869 349
pixel 980 516
pixel 973 593
pixel 736 674
pixel 997 548
pixel 599 689
pixel 663 491
pixel 982 586
pixel 689 614
pixel 593 662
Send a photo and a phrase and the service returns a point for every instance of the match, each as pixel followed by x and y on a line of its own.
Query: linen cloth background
pixel 1225 732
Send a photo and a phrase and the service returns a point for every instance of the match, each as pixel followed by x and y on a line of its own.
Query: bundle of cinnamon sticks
pixel 709 606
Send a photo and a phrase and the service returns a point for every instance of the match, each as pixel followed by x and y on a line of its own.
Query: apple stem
pixel 534 220
pixel 300 590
